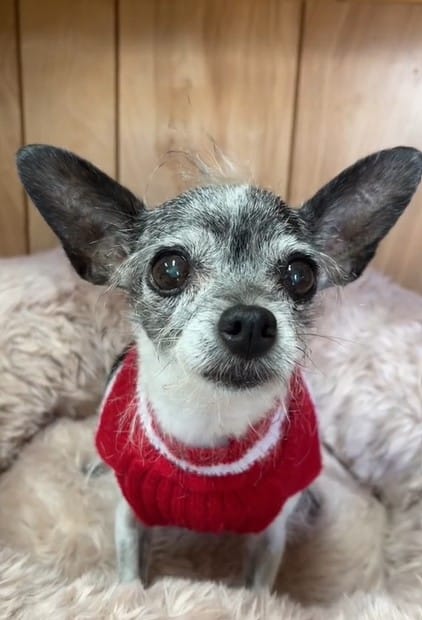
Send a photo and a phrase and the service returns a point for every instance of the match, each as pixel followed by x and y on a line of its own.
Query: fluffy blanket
pixel 359 556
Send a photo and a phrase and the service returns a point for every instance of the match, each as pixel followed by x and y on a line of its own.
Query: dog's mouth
pixel 239 377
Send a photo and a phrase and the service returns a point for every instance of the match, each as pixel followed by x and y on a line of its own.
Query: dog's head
pixel 222 279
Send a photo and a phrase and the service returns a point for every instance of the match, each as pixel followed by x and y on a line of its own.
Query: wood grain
pixel 360 90
pixel 381 1
pixel 12 206
pixel 68 62
pixel 199 71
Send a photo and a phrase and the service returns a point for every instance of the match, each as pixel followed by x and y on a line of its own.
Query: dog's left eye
pixel 170 272
pixel 300 278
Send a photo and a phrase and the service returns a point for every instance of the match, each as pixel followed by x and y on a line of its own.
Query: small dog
pixel 206 420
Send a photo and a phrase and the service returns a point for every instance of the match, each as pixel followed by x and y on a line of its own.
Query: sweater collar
pixel 254 443
pixel 237 453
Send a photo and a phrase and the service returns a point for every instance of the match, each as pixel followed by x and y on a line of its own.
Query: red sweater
pixel 239 488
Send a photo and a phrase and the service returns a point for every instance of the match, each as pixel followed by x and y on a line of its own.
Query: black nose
pixel 248 331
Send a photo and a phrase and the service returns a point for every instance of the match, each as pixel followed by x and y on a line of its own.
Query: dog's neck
pixel 193 410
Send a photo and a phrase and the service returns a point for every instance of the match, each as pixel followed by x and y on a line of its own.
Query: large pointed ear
pixel 97 220
pixel 350 215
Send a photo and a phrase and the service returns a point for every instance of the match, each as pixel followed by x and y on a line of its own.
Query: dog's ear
pixel 350 215
pixel 97 220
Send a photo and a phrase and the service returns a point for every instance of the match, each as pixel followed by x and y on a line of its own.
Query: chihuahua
pixel 223 280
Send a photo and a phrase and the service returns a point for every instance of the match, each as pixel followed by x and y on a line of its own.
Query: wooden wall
pixel 291 90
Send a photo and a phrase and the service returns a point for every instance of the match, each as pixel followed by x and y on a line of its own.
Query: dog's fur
pixel 239 241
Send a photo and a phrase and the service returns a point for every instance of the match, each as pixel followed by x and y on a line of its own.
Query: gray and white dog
pixel 223 282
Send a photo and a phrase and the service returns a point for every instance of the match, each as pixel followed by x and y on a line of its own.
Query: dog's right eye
pixel 170 272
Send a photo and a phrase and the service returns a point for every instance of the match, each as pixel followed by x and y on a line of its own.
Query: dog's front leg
pixel 133 545
pixel 265 551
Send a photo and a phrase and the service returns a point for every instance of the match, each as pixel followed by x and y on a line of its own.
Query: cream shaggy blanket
pixel 360 556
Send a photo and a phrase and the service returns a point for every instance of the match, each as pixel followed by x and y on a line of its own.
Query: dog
pixel 207 420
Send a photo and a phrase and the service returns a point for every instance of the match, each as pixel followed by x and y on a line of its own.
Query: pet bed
pixel 358 556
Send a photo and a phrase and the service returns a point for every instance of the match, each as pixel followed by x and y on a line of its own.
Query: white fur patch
pixel 194 410
pixel 257 452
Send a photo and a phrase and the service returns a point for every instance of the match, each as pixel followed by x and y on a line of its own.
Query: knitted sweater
pixel 240 487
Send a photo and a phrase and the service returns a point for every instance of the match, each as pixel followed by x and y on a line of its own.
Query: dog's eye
pixel 300 278
pixel 170 272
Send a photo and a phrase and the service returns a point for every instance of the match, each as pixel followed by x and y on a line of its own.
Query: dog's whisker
pixel 335 339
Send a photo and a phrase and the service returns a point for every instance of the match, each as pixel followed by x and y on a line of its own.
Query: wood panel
pixel 12 207
pixel 361 90
pixel 199 71
pixel 382 1
pixel 68 63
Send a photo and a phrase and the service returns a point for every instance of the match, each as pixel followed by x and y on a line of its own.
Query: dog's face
pixel 222 279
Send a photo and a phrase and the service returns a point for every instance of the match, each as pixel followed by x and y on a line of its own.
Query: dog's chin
pixel 235 378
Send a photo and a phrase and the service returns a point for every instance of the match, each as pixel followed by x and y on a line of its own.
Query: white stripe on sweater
pixel 257 452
